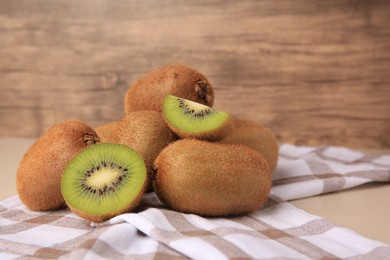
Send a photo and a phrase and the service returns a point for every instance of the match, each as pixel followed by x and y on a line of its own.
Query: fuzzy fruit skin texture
pixel 39 173
pixel 211 179
pixel 104 217
pixel 106 132
pixel 255 136
pixel 148 92
pixel 214 135
pixel 147 133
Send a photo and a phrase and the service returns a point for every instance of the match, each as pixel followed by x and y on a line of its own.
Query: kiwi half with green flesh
pixel 211 179
pixel 40 170
pixel 146 133
pixel 104 181
pixel 149 91
pixel 189 119
pixel 255 136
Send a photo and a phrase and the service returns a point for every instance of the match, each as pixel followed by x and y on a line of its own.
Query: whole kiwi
pixel 180 80
pixel 211 179
pixel 146 133
pixel 107 132
pixel 255 136
pixel 40 170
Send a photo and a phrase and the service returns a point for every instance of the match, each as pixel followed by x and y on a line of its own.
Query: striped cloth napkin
pixel 279 230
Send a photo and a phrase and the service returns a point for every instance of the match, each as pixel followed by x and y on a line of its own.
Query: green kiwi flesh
pixel 189 119
pixel 103 181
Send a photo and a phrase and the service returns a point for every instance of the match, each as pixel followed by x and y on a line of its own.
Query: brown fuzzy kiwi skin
pixel 148 92
pixel 104 217
pixel 146 133
pixel 107 132
pixel 39 173
pixel 255 136
pixel 211 179
pixel 214 135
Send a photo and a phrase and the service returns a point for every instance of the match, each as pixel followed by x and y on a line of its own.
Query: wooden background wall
pixel 315 72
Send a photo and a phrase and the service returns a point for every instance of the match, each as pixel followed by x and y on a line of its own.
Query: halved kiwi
pixel 103 181
pixel 189 119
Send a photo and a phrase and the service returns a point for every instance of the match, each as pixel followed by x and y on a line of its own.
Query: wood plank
pixel 316 73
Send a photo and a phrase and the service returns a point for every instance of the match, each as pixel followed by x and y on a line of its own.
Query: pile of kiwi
pixel 171 141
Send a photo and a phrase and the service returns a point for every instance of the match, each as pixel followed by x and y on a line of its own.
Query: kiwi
pixel 40 170
pixel 189 119
pixel 106 132
pixel 145 132
pixel 255 136
pixel 177 79
pixel 103 181
pixel 211 179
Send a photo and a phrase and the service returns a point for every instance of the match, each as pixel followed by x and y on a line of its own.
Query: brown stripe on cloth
pixel 331 181
pixel 373 175
pixel 314 150
pixel 294 242
pixel 165 252
pixel 16 228
pixel 17 248
pixel 49 253
pixel 37 217
pixel 79 246
pixel 186 229
pixel 381 252
pixel 44 219
pixel 27 224
pixel 78 223
pixel 317 167
pixel 370 158
pixel 27 221
pixel 304 178
pixel 103 249
pixel 272 201
pixel 99 247
pixel 74 243
pixel 313 227
pixel 290 237
pixel 320 154
pixel 20 215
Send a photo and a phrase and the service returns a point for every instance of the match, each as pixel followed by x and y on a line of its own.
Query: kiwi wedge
pixel 189 119
pixel 103 181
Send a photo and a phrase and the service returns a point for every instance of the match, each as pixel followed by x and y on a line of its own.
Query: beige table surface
pixel 364 209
